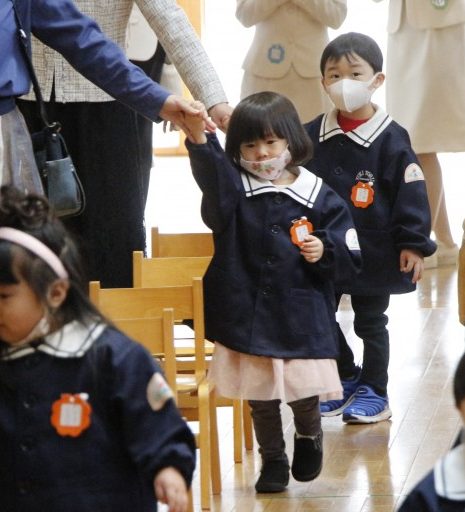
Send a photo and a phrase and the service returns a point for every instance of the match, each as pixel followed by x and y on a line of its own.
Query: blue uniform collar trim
pixel 71 341
pixel 304 190
pixel 364 134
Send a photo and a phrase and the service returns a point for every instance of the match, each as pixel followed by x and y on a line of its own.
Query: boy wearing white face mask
pixel 367 158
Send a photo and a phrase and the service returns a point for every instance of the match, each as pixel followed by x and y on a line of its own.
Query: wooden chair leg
pixel 237 430
pixel 248 425
pixel 214 448
pixel 190 504
pixel 204 445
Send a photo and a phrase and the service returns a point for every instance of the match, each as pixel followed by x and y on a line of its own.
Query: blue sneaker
pixel 336 407
pixel 367 407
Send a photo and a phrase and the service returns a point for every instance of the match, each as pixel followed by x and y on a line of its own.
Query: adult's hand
pixel 175 108
pixel 221 114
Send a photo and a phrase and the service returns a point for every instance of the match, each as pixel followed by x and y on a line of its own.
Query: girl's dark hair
pixel 264 113
pixel 350 44
pixel 459 382
pixel 32 214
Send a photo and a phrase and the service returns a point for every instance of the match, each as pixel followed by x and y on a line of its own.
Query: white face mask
pixel 349 95
pixel 270 169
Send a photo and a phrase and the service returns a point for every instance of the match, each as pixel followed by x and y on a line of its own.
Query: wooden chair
pixel 181 244
pixel 195 396
pixel 179 270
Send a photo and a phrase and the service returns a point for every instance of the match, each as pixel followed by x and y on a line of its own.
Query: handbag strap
pixel 35 83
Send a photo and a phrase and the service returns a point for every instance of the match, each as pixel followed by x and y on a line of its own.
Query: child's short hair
pixel 261 114
pixel 459 382
pixel 353 43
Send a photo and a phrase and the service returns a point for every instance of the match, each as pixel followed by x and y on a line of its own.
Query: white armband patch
pixel 352 240
pixel 158 392
pixel 413 172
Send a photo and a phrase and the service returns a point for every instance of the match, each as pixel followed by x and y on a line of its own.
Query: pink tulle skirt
pixel 250 377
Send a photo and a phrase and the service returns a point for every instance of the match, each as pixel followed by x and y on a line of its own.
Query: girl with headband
pixel 87 421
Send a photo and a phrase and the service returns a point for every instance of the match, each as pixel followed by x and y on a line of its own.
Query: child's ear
pixel 323 83
pixel 379 80
pixel 57 293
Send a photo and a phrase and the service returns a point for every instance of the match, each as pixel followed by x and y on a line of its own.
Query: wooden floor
pixel 370 468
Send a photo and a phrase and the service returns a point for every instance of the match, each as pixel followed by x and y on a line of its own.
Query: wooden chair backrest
pixel 186 301
pixel 169 271
pixel 181 244
pixel 156 334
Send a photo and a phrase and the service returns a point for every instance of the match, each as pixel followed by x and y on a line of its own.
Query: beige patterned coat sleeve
pixel 172 28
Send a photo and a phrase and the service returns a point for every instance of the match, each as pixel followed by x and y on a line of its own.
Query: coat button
pixel 278 199
pixel 275 229
pixel 267 290
pixel 337 170
pixel 270 260
pixel 29 401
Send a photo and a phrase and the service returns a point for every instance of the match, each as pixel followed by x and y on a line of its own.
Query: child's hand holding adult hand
pixel 412 260
pixel 176 109
pixel 170 488
pixel 312 249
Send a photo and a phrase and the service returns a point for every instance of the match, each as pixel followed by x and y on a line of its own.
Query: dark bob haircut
pixel 264 113
pixel 350 44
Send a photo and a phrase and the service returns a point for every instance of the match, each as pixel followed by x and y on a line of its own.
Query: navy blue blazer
pixel 261 296
pixel 111 465
pixel 423 498
pixel 377 152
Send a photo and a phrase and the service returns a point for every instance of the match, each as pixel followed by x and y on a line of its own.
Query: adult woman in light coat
pixel 284 56
pixel 425 93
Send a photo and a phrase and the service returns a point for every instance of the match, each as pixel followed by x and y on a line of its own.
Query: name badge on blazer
pixel 276 53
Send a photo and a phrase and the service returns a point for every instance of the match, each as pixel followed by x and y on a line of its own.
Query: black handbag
pixel 60 180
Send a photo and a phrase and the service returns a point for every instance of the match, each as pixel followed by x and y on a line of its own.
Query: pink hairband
pixel 35 246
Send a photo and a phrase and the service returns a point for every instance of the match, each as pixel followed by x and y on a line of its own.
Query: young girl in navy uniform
pixel 281 235
pixel 443 488
pixel 367 159
pixel 87 422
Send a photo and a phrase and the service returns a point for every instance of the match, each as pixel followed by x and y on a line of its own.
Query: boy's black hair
pixel 353 43
pixel 261 114
pixel 32 214
pixel 459 382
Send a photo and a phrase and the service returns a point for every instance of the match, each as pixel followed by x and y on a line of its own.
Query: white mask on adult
pixel 270 169
pixel 349 95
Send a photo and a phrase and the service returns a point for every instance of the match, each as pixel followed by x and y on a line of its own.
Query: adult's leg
pixel 439 218
pixel 104 143
pixel 370 325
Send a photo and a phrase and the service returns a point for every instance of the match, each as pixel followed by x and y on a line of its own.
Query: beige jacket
pixel 170 24
pixel 426 14
pixel 288 32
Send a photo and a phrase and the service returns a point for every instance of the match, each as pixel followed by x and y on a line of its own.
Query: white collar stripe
pixel 304 190
pixel 364 135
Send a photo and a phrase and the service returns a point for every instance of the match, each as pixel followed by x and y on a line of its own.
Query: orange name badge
pixel 300 229
pixel 362 194
pixel 70 415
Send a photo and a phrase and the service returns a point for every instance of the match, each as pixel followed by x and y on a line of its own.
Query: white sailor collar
pixel 364 134
pixel 72 340
pixel 449 475
pixel 304 190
